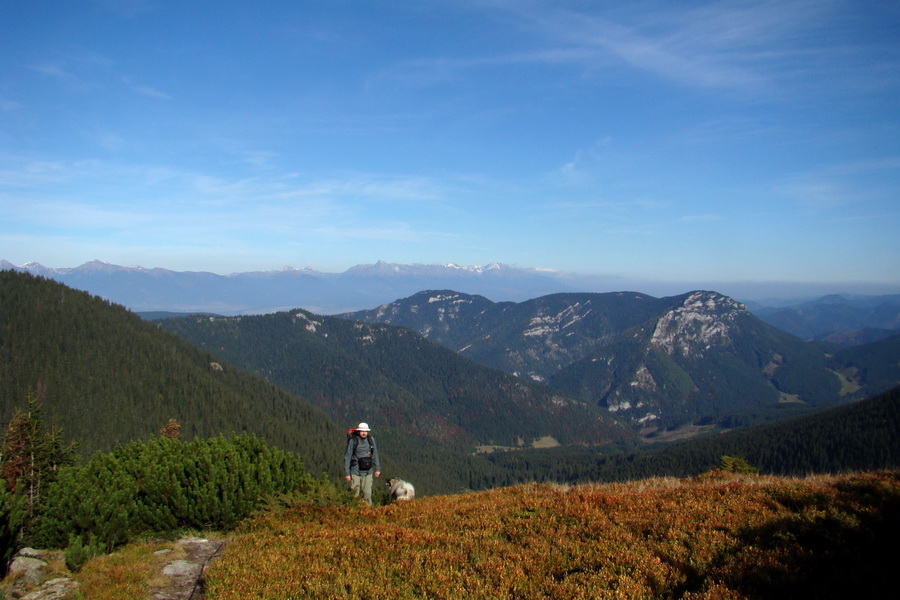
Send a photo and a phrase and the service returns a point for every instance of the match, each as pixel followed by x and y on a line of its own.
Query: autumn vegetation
pixel 721 535
pixel 729 533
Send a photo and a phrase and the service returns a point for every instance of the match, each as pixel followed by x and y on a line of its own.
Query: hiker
pixel 361 460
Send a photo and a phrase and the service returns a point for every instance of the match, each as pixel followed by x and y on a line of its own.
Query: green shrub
pixel 737 464
pixel 165 484
pixel 78 553
pixel 12 516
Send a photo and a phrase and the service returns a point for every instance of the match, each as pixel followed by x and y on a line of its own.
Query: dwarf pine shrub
pixel 166 484
pixel 737 464
pixel 79 553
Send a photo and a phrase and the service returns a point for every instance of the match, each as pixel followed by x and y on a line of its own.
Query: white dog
pixel 401 490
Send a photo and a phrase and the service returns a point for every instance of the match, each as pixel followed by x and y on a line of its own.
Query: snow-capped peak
pixel 494 266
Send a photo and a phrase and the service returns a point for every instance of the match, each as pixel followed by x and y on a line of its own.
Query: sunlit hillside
pixel 716 536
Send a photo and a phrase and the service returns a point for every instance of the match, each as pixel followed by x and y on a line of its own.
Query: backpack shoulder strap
pixel 356 439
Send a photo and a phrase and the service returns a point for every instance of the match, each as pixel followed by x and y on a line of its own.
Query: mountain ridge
pixel 839 318
pixel 349 368
pixel 664 361
pixel 368 285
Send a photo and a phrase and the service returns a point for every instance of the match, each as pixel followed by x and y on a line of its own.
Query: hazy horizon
pixel 773 292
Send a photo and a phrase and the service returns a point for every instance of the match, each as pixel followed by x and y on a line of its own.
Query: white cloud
pixel 262 159
pixel 9 105
pixel 53 70
pixel 152 92
pixel 851 182
pixel 700 218
pixel 751 47
pixel 164 199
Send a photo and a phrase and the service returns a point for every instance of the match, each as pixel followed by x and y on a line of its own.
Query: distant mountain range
pixel 842 319
pixel 362 286
pixel 838 318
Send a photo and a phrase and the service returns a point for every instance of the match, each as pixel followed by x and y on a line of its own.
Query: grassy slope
pixel 823 537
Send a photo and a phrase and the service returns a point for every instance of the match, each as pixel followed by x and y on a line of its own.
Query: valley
pixel 699 363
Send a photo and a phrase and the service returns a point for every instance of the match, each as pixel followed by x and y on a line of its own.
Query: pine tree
pixel 32 452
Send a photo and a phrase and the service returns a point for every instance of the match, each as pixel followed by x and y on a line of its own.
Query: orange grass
pixel 126 574
pixel 706 538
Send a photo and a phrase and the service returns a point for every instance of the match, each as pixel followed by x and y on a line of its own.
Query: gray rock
pixel 31 570
pixel 54 589
pixel 181 568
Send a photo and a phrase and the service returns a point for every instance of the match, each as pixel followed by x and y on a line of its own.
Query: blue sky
pixel 681 142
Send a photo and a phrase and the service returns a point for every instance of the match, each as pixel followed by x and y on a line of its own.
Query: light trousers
pixel 364 483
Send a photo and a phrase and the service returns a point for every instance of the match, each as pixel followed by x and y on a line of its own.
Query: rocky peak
pixel 701 321
pixel 302 319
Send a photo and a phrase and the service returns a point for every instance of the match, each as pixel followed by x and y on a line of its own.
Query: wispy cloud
pixel 581 170
pixel 628 230
pixel 720 46
pixel 72 215
pixel 63 77
pixel 152 92
pixel 124 196
pixel 9 105
pixel 700 218
pixel 376 187
pixel 716 47
pixel 751 47
pixel 53 70
pixel 262 159
pixel 851 182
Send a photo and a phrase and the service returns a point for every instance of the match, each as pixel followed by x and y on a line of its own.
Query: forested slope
pixel 860 437
pixel 875 365
pixel 106 377
pixel 395 377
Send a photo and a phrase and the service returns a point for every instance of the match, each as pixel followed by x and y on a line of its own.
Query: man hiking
pixel 361 461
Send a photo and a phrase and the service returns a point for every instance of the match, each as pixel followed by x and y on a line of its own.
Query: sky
pixel 671 141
